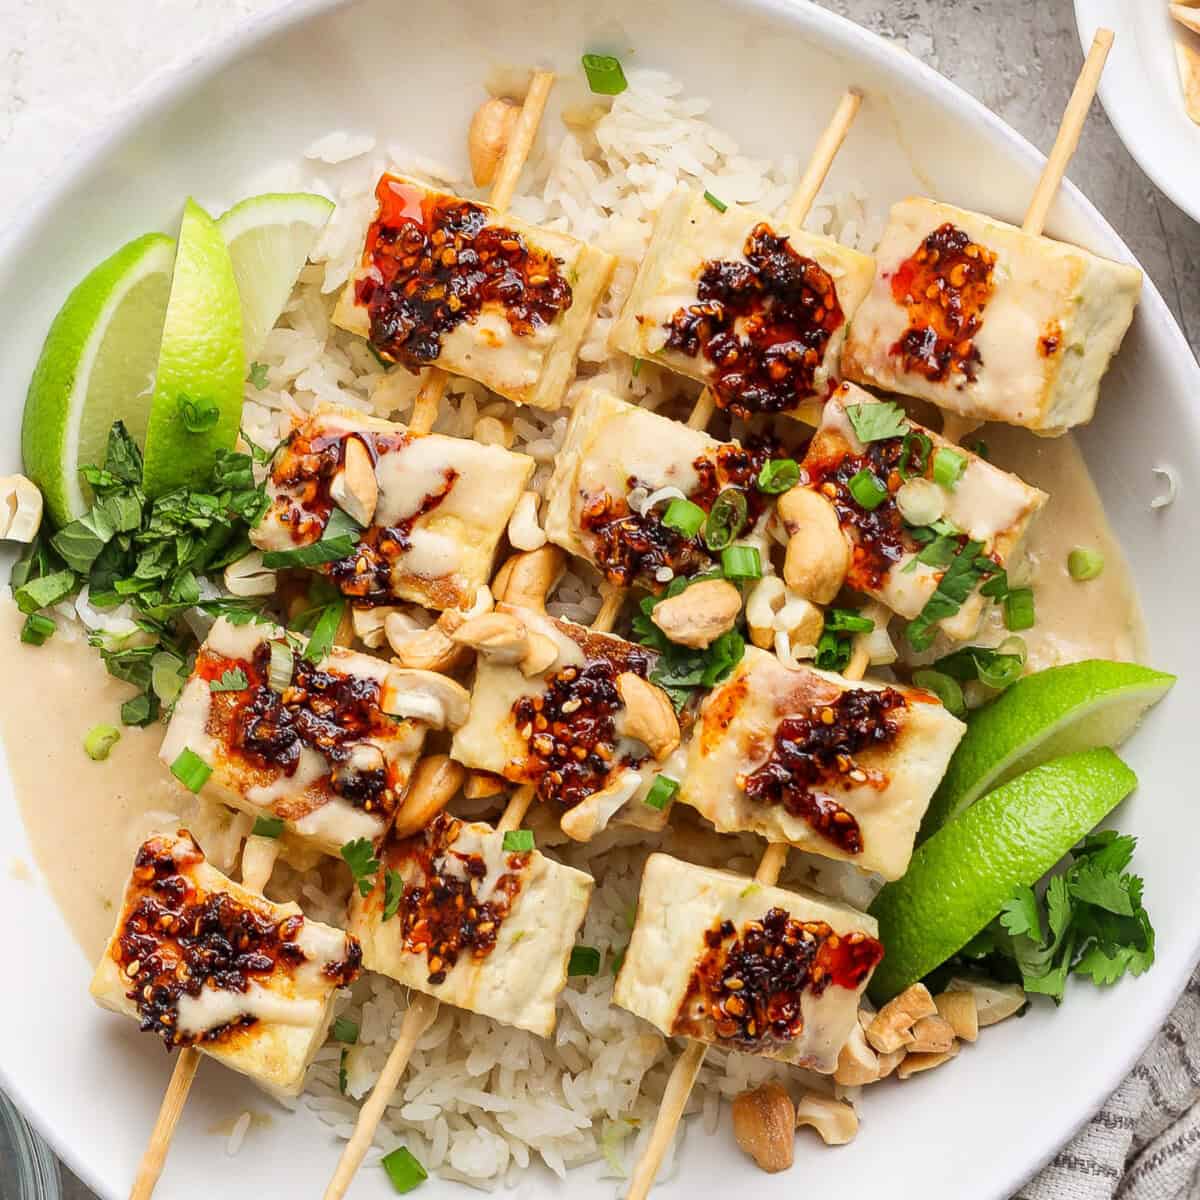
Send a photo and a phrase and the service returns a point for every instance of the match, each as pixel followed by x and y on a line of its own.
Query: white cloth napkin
pixel 1144 1144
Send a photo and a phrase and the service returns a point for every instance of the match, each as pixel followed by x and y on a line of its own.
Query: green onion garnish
pixel 37 629
pixel 403 1169
pixel 1083 563
pixel 741 562
pixel 168 674
pixel 726 519
pixel 518 841
pixel 1018 609
pixel 279 672
pixel 198 415
pixel 914 454
pixel 778 476
pixel 191 770
pixel 605 75
pixel 719 205
pixel 268 827
pixel 868 490
pixel 945 688
pixel 948 466
pixel 684 517
pixel 345 1031
pixel 847 620
pixel 585 960
pixel 100 739
pixel 636 369
pixel 662 791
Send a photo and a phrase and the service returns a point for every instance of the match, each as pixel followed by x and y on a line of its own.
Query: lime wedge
pixel 97 364
pixel 1054 712
pixel 959 879
pixel 197 403
pixel 270 238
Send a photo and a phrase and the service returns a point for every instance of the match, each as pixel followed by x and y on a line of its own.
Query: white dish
pixel 213 127
pixel 1141 93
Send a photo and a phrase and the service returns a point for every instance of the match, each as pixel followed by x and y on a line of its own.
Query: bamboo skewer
pixel 954 426
pixel 171 1109
pixel 433 388
pixel 774 858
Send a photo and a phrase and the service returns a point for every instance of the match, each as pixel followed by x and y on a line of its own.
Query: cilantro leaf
pixel 1021 914
pixel 359 856
pixel 393 893
pixel 232 680
pixel 337 542
pixel 122 458
pixel 257 375
pixel 957 582
pixel 876 422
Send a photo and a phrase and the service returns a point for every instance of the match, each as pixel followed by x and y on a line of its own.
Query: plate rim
pixel 172 84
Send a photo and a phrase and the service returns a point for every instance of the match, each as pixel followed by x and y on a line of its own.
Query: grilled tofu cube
pixel 325 754
pixel 472 923
pixel 262 1009
pixel 721 959
pixel 451 282
pixel 740 302
pixel 434 508
pixel 535 728
pixel 987 321
pixel 802 756
pixel 615 477
pixel 987 506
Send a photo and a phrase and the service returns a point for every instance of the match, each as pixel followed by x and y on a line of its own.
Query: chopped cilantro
pixel 962 574
pixel 876 422
pixel 359 856
pixel 257 375
pixel 337 542
pixel 393 893
pixel 233 680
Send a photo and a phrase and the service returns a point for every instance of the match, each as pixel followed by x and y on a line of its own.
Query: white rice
pixel 481 1100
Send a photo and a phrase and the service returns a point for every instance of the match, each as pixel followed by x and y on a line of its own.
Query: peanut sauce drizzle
pixel 435 262
pixel 764 323
pixel 945 286
pixel 747 988
pixel 440 913
pixel 177 939
pixel 814 749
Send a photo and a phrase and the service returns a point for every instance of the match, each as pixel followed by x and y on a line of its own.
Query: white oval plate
pixel 212 127
pixel 1141 93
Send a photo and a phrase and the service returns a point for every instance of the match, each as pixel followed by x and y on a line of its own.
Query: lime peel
pixel 960 878
pixel 1056 711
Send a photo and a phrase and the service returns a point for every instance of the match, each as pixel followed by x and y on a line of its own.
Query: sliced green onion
pixel 343 1078
pixel 518 841
pixel 403 1169
pixel 684 517
pixel 741 562
pixel 1084 563
pixel 948 466
pixel 914 454
pixel 1004 668
pixel 945 688
pixel 1018 609
pixel 605 75
pixel 778 475
pixel 283 662
pixel 726 519
pixel 636 369
pixel 921 502
pixel 662 791
pixel 167 676
pixel 345 1031
pixel 585 960
pixel 100 739
pixel 718 204
pixel 191 770
pixel 270 827
pixel 868 490
pixel 37 629
pixel 846 620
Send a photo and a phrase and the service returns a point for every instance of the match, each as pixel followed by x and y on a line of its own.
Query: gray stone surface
pixel 1018 56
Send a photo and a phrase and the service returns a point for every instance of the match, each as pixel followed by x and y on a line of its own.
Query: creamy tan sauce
pixel 84 818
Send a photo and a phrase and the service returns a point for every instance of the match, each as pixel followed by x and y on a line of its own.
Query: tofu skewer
pixel 687 1066
pixel 429 398
pixel 424 1006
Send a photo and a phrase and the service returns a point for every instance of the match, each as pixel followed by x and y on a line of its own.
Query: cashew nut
pixel 524 532
pixel 818 555
pixel 20 508
pixel 959 1011
pixel 422 649
pixel 764 1125
pixel 500 636
pixel 541 655
pixel 582 822
pixel 891 1028
pixel 248 577
pixel 994 1002
pixel 526 579
pixel 487 138
pixel 857 1063
pixel 481 784
pixel 426 696
pixel 765 600
pixel 931 1035
pixel 700 614
pixel 354 489
pixel 913 1064
pixel 434 784
pixel 835 1120
pixel 491 431
pixel 649 715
